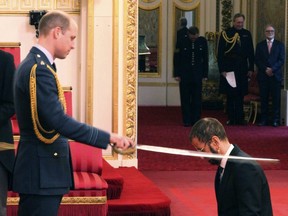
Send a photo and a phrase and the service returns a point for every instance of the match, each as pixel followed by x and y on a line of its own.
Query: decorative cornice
pixel 23 7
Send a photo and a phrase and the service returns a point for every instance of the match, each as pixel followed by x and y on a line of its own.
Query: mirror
pixel 148 42
pixel 191 16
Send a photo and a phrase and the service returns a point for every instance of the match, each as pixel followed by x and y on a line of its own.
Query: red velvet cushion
pixel 86 180
pixel 86 158
pixel 68 99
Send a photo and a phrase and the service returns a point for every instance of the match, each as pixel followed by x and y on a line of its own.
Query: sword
pixel 184 152
pixel 6 146
pixel 199 154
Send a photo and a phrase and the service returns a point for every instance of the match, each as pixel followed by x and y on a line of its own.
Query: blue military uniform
pixel 191 66
pixel 7 71
pixel 41 168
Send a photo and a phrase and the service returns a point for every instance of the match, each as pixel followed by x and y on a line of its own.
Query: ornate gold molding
pixel 130 77
pixel 227 7
pixel 90 61
pixel 23 7
pixel 10 44
pixel 85 200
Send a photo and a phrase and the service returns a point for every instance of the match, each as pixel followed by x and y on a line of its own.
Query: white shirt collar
pixel 272 40
pixel 224 160
pixel 46 52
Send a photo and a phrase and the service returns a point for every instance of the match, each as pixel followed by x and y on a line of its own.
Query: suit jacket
pixel 41 168
pixel 244 189
pixel 182 42
pixel 239 58
pixel 7 71
pixel 275 59
pixel 192 64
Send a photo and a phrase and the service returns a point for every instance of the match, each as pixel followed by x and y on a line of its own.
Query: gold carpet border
pixel 69 200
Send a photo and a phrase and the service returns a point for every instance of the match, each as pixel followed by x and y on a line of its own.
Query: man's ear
pixel 215 143
pixel 57 31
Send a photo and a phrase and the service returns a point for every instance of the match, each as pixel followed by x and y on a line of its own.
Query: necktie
pixel 269 46
pixel 219 174
pixel 54 66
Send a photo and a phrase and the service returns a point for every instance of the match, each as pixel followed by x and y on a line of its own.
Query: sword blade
pixel 183 152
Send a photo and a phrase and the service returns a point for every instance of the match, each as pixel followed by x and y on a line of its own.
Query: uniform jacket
pixel 275 59
pixel 244 189
pixel 239 59
pixel 7 71
pixel 41 168
pixel 192 64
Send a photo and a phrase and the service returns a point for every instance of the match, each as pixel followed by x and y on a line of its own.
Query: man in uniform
pixel 191 67
pixel 235 54
pixel 7 70
pixel 42 172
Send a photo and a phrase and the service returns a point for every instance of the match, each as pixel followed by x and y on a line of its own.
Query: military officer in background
pixel 7 71
pixel 191 67
pixel 235 54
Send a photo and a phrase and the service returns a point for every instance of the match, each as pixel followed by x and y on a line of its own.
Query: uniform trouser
pixel 267 87
pixel 3 189
pixel 191 101
pixel 39 205
pixel 235 108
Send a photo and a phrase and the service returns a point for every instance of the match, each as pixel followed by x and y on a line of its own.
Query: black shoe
pixel 187 124
pixel 243 122
pixel 229 122
pixel 262 123
pixel 275 124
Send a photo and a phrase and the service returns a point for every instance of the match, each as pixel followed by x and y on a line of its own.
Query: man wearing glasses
pixel 269 59
pixel 241 186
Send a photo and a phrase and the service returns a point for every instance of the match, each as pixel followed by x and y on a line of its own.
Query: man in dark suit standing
pixel 235 54
pixel 191 67
pixel 269 59
pixel 42 172
pixel 7 71
pixel 241 186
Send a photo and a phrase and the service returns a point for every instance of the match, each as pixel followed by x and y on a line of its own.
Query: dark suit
pixel 45 169
pixel 240 59
pixel 191 66
pixel 267 84
pixel 7 71
pixel 244 189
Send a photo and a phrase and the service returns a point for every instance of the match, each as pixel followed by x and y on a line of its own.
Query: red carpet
pixel 162 126
pixel 192 192
pixel 140 197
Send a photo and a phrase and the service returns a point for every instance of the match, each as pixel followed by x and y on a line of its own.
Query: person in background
pixel 241 186
pixel 191 67
pixel 269 59
pixel 7 71
pixel 235 54
pixel 42 173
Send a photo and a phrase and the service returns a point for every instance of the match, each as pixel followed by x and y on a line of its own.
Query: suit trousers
pixel 270 86
pixel 235 109
pixel 3 189
pixel 191 101
pixel 39 205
